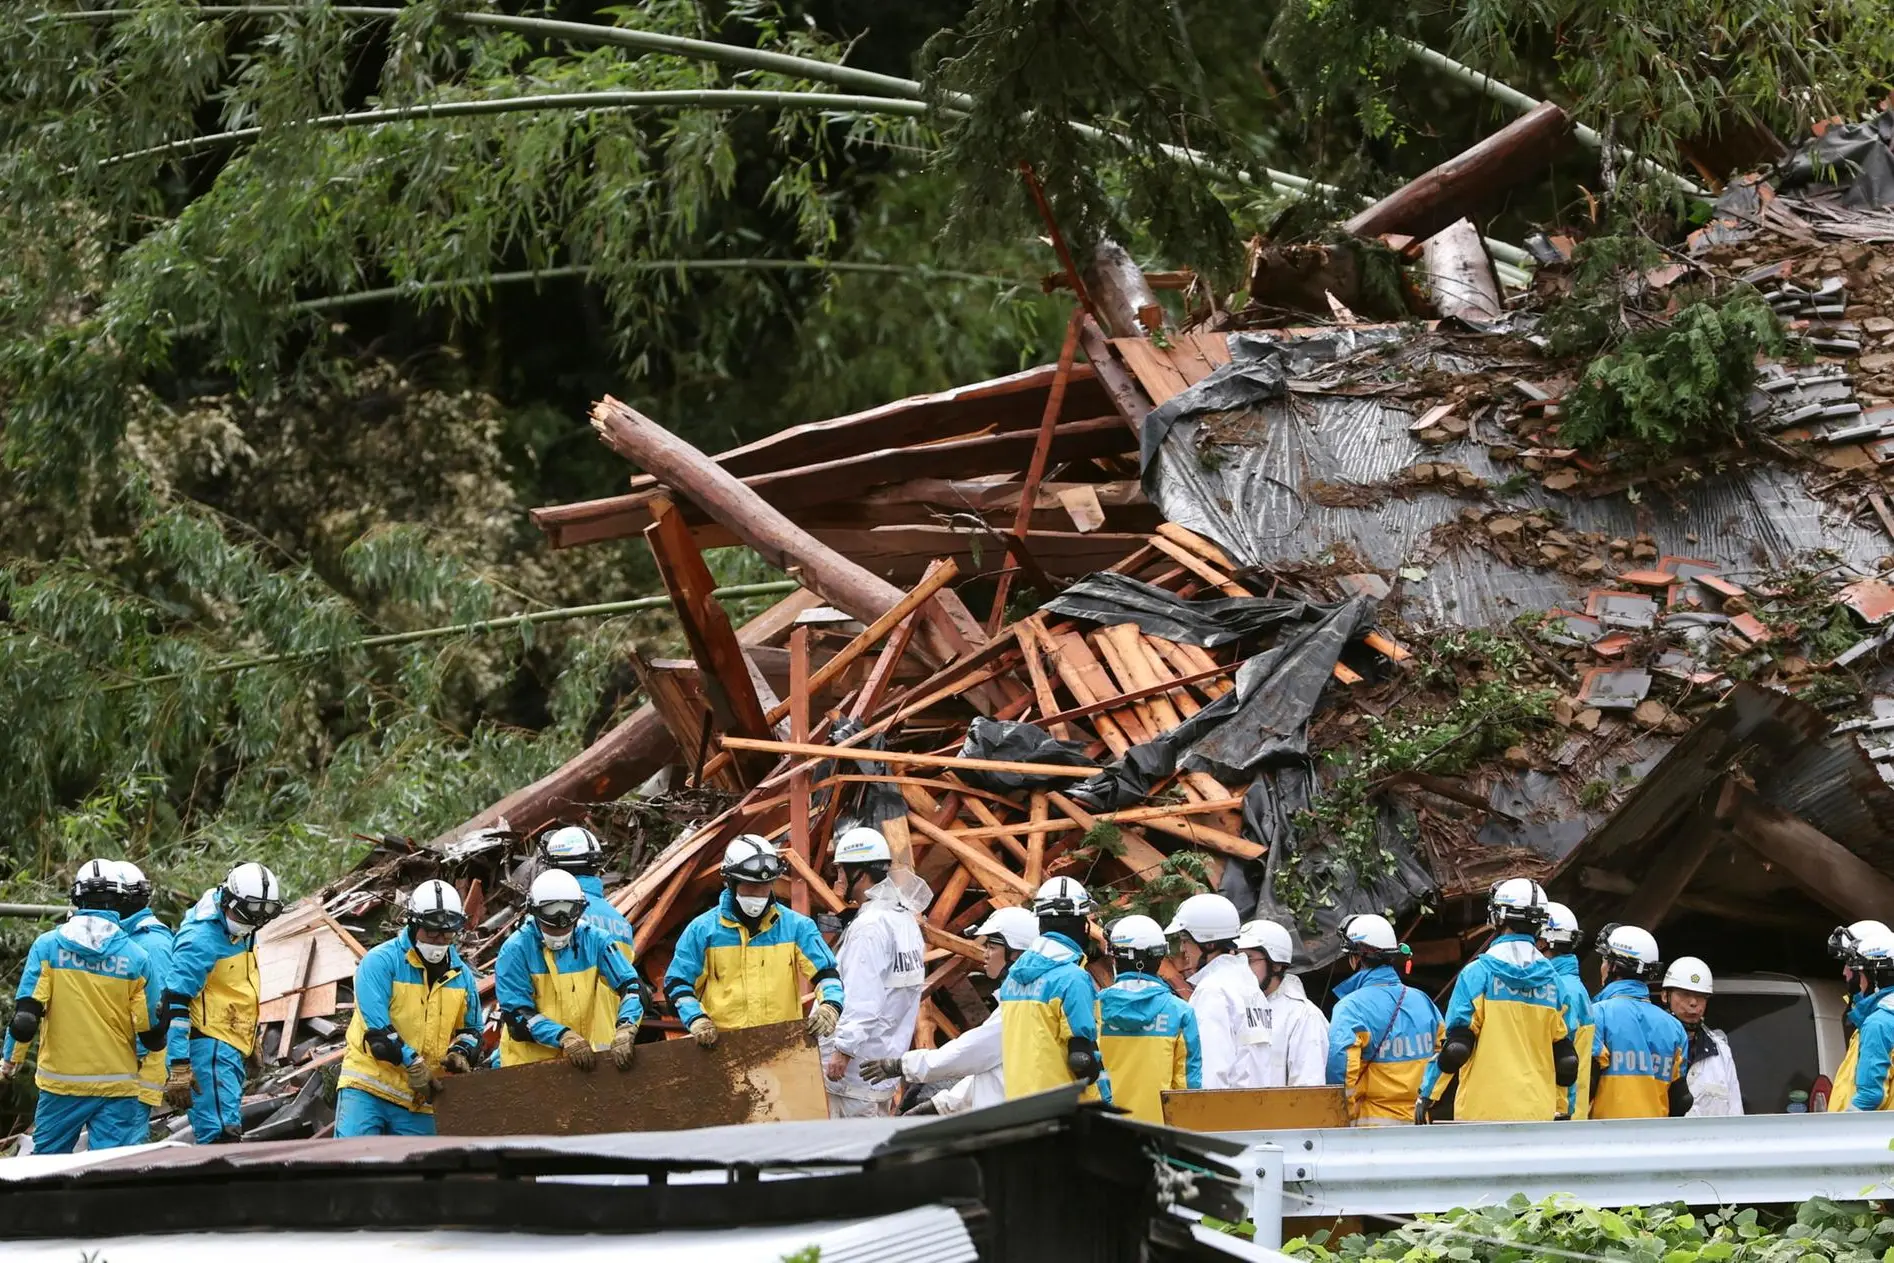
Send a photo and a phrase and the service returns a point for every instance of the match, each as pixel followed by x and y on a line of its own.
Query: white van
pixel 1786 1035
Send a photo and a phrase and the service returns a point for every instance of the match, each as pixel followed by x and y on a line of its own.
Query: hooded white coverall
pixel 1232 1023
pixel 880 960
pixel 1296 1052
pixel 1714 1089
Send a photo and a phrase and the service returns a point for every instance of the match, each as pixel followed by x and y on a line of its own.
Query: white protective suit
pixel 1232 1023
pixel 1714 1090
pixel 880 960
pixel 1296 1052
pixel 970 1063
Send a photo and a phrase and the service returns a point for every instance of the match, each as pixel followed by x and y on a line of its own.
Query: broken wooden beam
pixel 620 760
pixel 1460 277
pixel 803 750
pixel 1120 386
pixel 1035 472
pixel 1123 300
pixel 1846 883
pixel 1468 183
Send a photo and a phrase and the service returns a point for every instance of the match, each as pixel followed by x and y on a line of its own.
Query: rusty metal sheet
pixel 763 1074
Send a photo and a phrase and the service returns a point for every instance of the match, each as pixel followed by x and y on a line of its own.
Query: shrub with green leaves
pixel 1678 386
pixel 1560 1227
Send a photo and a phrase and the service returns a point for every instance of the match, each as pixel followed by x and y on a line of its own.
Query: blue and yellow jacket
pixel 93 992
pixel 401 1015
pixel 1380 1039
pixel 1575 1101
pixel 211 988
pixel 1508 997
pixel 1047 1002
pixel 542 993
pixel 154 939
pixel 1841 1095
pixel 743 978
pixel 1148 1039
pixel 1639 1050
pixel 609 921
pixel 1873 1016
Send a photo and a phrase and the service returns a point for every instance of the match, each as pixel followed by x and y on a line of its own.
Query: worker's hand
pixel 836 1066
pixel 822 1019
pixel 1423 1112
pixel 457 1062
pixel 8 1069
pixel 434 1089
pixel 881 1069
pixel 180 1086
pixel 418 1077
pixel 624 1045
pixel 578 1050
pixel 704 1031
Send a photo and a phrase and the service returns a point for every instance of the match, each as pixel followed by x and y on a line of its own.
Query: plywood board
pixel 319 1001
pixel 760 1075
pixel 279 960
pixel 1255 1109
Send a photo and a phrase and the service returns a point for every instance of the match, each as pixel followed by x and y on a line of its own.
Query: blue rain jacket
pixel 1508 997
pixel 1380 1039
pixel 742 979
pixel 1148 1039
pixel 1575 1101
pixel 1047 1001
pixel 542 993
pixel 211 987
pixel 1639 1049
pixel 154 939
pixel 1874 1058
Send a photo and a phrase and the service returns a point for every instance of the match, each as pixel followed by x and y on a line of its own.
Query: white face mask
pixel 752 905
pixel 556 941
pixel 238 927
pixel 432 953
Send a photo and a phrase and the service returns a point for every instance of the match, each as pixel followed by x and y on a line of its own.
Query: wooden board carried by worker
pixel 1255 1109
pixel 760 1075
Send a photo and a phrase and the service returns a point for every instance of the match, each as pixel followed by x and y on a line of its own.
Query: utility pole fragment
pixel 799 841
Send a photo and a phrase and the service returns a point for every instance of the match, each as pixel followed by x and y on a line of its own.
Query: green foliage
pixel 1181 875
pixel 1679 386
pixel 1561 1227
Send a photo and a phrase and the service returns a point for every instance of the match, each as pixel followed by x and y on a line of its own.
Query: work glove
pixel 1423 1112
pixel 457 1062
pixel 822 1020
pixel 704 1031
pixel 881 1069
pixel 180 1086
pixel 578 1050
pixel 418 1078
pixel 624 1045
pixel 8 1069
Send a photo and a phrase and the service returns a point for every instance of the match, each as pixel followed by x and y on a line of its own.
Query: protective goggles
pixel 757 868
pixel 252 911
pixel 443 919
pixel 559 914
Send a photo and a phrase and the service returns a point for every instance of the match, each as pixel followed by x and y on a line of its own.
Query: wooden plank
pixel 1129 815
pixel 755 1075
pixel 1043 695
pixel 1684 853
pixel 1199 567
pixel 1195 543
pixel 1140 858
pixel 1120 386
pixel 1470 182
pixel 935 936
pixel 799 779
pixel 810 751
pixel 713 641
pixel 948 900
pixel 294 1010
pixel 1035 472
pixel 1000 883
pixel 683 711
pixel 317 1001
pixel 1036 840
pixel 1156 719
pixel 1842 880
pixel 1094 685
pixel 812 881
pixel 1160 378
pixel 1255 1109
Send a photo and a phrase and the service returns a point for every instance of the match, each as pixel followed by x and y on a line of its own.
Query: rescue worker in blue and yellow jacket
pixel 86 995
pixel 740 964
pixel 547 979
pixel 1383 1032
pixel 576 849
pixel 1558 940
pixel 210 1001
pixel 1146 1034
pixel 1842 944
pixel 154 939
pixel 417 1016
pixel 1049 1003
pixel 1871 974
pixel 1506 1046
pixel 1639 1051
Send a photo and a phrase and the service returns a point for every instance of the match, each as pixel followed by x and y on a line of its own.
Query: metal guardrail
pixel 1760 1159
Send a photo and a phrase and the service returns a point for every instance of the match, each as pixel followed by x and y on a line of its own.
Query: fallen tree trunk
pixel 1467 183
pixel 1459 275
pixel 618 761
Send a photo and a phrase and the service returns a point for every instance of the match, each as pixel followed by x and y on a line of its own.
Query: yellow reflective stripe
pixel 53 1077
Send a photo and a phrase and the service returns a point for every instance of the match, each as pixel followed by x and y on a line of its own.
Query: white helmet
pixel 751 857
pixel 1206 919
pixel 435 905
pixel 1062 897
pixel 862 845
pixel 1687 973
pixel 133 885
pixel 573 848
pixel 1367 934
pixel 250 897
pixel 96 885
pixel 1518 901
pixel 1875 949
pixel 557 903
pixel 1561 925
pixel 1842 939
pixel 1632 947
pixel 1269 937
pixel 1016 927
pixel 1135 935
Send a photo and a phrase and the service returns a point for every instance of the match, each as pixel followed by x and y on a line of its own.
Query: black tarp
pixel 1110 598
pixel 1012 741
pixel 1857 158
pixel 864 803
